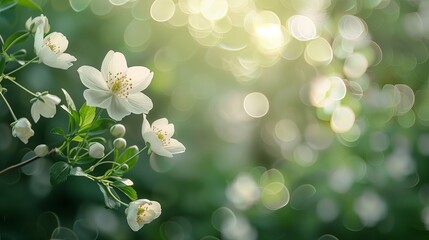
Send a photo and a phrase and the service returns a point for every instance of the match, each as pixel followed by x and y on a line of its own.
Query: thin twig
pixel 18 165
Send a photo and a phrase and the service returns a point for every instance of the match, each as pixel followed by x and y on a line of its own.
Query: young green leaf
pixel 129 157
pixel 109 201
pixel 85 160
pixel 87 115
pixel 7 4
pixel 15 38
pixel 58 131
pixel 29 4
pixel 127 190
pixel 59 172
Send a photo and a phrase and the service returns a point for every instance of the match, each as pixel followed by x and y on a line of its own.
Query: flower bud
pixel 33 23
pixel 96 150
pixel 118 130
pixel 120 143
pixel 41 150
pixel 21 129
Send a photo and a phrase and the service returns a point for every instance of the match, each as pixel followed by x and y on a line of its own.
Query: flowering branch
pixel 21 164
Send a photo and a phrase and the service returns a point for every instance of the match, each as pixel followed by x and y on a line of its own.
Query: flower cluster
pixel 116 88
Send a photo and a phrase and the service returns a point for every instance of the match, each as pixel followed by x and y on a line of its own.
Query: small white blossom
pixel 33 23
pixel 120 143
pixel 118 130
pixel 141 212
pixel 44 105
pixel 117 87
pixel 96 150
pixel 50 49
pixel 159 137
pixel 21 129
pixel 41 150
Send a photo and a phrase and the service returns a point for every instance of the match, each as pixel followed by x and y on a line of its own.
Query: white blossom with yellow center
pixel 141 212
pixel 117 87
pixel 51 48
pixel 158 135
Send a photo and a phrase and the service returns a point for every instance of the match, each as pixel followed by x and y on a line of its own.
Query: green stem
pixel 113 195
pixel 8 106
pixel 22 87
pixel 21 67
pixel 50 154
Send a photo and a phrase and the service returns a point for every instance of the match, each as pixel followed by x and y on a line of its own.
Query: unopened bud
pixel 120 143
pixel 118 130
pixel 96 150
pixel 41 150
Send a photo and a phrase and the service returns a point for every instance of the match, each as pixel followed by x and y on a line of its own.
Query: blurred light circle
pixel 137 33
pixel 351 27
pixel 256 104
pixel 341 180
pixel 352 135
pixel 79 5
pixel 318 52
pixel 173 230
pixel 118 2
pixel 407 98
pixel 200 24
pixel 318 136
pixel 141 10
pixel 342 119
pixel 270 36
pixel 302 196
pixel 302 27
pixel 222 25
pixel 326 90
pixel 243 192
pixel 221 215
pixel 270 176
pixel 286 130
pixel 293 50
pixel 304 155
pixel 100 7
pixel 355 65
pixel 407 120
pixel 327 237
pixel 179 18
pixel 370 208
pixel 275 196
pixel 214 9
pixel 162 10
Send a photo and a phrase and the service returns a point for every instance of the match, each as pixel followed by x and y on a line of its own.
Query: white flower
pixel 44 105
pixel 21 129
pixel 117 88
pixel 33 23
pixel 50 49
pixel 141 212
pixel 159 137
pixel 41 150
pixel 96 150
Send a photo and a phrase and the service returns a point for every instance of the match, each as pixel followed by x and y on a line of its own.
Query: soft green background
pixel 333 179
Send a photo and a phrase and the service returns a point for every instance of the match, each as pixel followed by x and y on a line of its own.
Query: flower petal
pixel 155 144
pixel 58 40
pixel 38 39
pixel 117 65
pixel 117 109
pixel 92 78
pixel 160 123
pixel 139 103
pixel 97 98
pixel 105 64
pixel 140 77
pixel 145 126
pixel 175 147
pixel 65 61
pixel 35 113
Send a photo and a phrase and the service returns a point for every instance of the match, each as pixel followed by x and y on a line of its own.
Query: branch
pixel 18 165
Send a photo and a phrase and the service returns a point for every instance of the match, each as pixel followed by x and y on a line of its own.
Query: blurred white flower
pixel 41 150
pixel 33 23
pixel 159 137
pixel 21 129
pixel 50 49
pixel 141 212
pixel 117 88
pixel 44 105
pixel 96 150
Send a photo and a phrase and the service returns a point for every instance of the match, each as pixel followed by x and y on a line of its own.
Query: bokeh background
pixel 303 119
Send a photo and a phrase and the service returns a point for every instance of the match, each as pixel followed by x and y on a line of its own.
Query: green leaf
pixel 7 4
pixel 59 172
pixel 127 190
pixel 58 131
pixel 85 160
pixel 18 54
pixel 129 157
pixel 109 201
pixel 74 119
pixel 100 126
pixel 16 38
pixel 29 4
pixel 87 115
